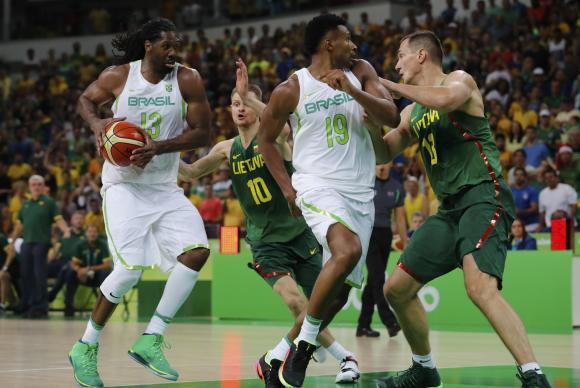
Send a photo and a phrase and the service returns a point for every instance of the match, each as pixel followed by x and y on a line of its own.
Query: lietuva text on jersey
pixel 423 122
pixel 248 165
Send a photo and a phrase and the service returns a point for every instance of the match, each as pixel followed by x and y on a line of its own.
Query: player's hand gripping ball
pixel 120 138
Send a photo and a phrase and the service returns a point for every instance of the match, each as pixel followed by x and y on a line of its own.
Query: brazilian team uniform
pixel 477 207
pixel 281 244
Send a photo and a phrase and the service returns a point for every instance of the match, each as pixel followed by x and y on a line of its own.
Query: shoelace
pixel 526 380
pixel 89 363
pixel 407 379
pixel 157 345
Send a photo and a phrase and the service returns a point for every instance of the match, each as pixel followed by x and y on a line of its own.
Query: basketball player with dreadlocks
pixel 149 222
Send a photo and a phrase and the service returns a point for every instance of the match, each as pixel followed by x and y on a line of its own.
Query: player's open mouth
pixel 170 63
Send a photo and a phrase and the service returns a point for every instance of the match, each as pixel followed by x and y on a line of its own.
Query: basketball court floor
pixel 223 354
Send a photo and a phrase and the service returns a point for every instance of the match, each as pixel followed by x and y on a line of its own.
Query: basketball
pixel 119 141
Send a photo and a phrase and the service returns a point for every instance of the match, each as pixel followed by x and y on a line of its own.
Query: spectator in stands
pixel 19 169
pixel 415 201
pixel 536 151
pixel 222 184
pixel 62 252
pixel 549 135
pixel 211 207
pixel 9 273
pixel 505 157
pixel 526 199
pixel 520 240
pixel 417 219
pixel 556 197
pixel 95 216
pixel 35 221
pixel 463 14
pixel 448 14
pixel 89 266
pixel 233 214
pixel 516 139
pixel 568 166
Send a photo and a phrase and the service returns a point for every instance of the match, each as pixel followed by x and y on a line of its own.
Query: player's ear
pixel 422 55
pixel 148 45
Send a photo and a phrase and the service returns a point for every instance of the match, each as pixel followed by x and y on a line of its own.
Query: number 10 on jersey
pixel 260 192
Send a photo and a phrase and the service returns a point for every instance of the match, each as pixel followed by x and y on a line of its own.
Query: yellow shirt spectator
pixel 234 216
pixel 19 170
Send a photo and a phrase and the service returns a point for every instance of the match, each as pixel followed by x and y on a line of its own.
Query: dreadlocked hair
pixel 129 46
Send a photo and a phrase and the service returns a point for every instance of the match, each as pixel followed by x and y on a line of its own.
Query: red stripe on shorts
pixel 492 174
pixel 408 271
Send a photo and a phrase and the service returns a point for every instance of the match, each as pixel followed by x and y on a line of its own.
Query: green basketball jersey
pixel 458 149
pixel 268 218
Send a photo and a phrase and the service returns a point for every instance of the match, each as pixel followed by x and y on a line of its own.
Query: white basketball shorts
pixel 150 225
pixel 324 207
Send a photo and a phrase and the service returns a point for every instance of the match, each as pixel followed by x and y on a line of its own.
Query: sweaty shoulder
pixel 113 78
pixel 189 80
pixel 474 105
pixel 362 69
pixel 460 76
pixel 287 94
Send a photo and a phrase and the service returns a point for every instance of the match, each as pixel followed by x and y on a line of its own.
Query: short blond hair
pixel 36 178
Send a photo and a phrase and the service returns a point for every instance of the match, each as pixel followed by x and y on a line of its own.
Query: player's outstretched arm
pixel 283 101
pixel 109 85
pixel 396 140
pixel 206 165
pixel 453 94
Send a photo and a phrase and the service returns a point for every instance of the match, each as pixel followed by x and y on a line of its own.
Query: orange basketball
pixel 119 141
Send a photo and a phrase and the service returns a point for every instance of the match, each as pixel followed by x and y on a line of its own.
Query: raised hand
pixel 241 78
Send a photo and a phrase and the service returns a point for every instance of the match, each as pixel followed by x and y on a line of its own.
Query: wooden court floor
pixel 34 354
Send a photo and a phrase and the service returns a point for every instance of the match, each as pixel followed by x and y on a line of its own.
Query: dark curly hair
pixel 317 28
pixel 129 46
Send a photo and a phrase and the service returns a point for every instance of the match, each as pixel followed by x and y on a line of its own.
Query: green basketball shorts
pixel 473 221
pixel 300 258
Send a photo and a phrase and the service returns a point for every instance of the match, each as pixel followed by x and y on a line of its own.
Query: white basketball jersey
pixel 332 148
pixel 160 110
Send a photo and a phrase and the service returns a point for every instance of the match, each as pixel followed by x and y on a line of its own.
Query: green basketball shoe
pixel 83 358
pixel 147 352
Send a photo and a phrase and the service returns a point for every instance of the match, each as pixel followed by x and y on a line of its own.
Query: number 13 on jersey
pixel 151 123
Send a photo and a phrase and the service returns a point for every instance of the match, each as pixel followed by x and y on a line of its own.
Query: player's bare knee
pixel 347 257
pixel 394 294
pixel 194 259
pixel 295 305
pixel 480 293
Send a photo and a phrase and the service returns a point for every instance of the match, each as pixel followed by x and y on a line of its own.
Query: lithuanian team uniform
pixel 335 164
pixel 477 207
pixel 148 220
pixel 281 244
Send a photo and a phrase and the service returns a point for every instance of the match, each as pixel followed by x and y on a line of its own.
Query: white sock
pixel 531 366
pixel 279 352
pixel 177 289
pixel 338 351
pixel 309 330
pixel 426 361
pixel 92 333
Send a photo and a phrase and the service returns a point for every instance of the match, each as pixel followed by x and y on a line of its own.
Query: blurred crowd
pixel 523 58
pixel 66 18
